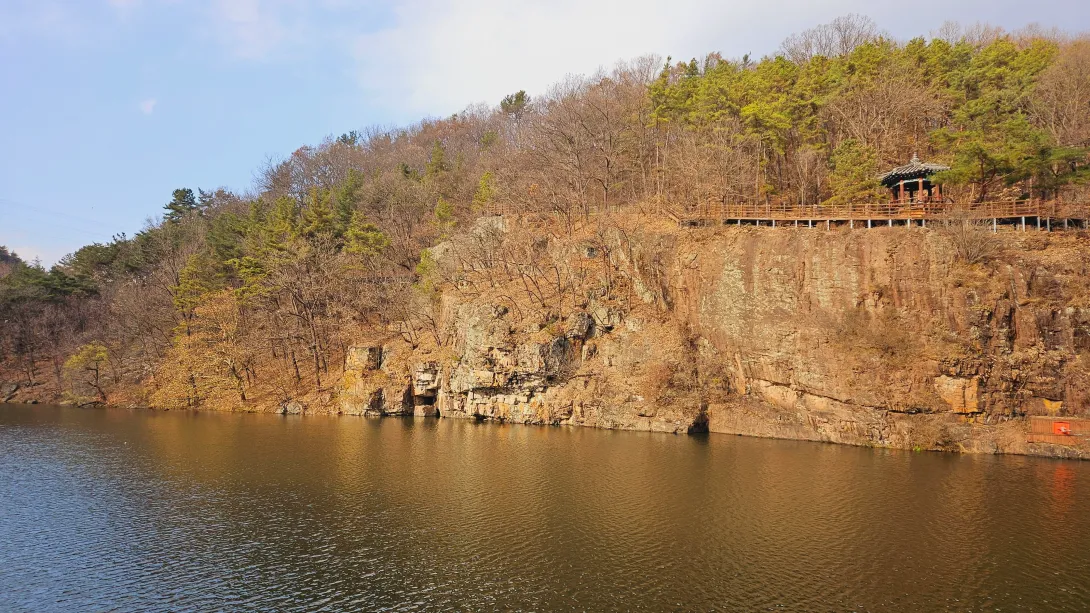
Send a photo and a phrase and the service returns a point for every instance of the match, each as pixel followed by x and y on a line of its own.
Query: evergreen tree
pixel 444 217
pixel 365 238
pixel 853 174
pixel 183 203
pixel 437 162
pixel 485 191
pixel 515 104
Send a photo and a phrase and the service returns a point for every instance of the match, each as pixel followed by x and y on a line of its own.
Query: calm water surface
pixel 112 510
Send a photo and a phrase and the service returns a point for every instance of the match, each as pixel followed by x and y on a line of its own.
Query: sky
pixel 106 106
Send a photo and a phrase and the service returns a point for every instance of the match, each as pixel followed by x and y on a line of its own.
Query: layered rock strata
pixel 869 338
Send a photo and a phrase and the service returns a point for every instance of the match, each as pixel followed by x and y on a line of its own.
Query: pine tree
pixel 437 162
pixel 852 177
pixel 183 203
pixel 444 217
pixel 485 191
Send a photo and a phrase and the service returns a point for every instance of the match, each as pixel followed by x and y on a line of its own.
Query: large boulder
pixel 426 379
pixel 292 407
pixel 377 381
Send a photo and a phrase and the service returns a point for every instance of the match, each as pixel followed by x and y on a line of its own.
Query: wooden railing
pixel 881 211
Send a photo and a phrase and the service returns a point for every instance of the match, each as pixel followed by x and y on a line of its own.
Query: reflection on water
pixel 137 510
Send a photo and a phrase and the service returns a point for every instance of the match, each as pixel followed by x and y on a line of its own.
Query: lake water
pixel 114 510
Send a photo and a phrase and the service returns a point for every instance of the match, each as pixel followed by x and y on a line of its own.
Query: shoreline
pixel 879 339
pixel 981 441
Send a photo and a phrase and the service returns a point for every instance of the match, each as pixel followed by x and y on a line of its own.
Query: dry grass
pixel 972 241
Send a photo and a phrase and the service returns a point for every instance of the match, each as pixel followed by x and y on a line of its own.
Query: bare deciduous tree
pixel 838 37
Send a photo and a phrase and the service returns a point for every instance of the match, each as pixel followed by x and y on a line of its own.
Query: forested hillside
pixel 248 299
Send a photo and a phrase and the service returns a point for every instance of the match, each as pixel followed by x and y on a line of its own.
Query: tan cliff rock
pixel 872 337
pixel 880 338
pixel 590 374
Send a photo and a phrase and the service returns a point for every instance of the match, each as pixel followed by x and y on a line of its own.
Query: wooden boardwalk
pixel 1058 430
pixel 1050 214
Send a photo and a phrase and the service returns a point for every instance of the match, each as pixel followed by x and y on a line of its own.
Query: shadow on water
pixel 141 510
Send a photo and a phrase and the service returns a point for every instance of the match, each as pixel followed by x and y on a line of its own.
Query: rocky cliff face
pixel 591 372
pixel 882 338
pixel 875 337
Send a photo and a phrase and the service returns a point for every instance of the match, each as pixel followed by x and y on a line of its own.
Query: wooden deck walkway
pixel 1034 212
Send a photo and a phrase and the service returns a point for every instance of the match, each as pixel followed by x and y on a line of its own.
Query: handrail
pixel 862 211
pixel 884 211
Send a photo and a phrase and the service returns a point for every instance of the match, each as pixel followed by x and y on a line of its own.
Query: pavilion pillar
pixel 919 190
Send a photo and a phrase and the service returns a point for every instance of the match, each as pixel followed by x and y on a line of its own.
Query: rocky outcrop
pixel 867 338
pixel 583 371
pixel 376 381
pixel 881 338
pixel 293 407
pixel 364 358
pixel 961 394
pixel 425 388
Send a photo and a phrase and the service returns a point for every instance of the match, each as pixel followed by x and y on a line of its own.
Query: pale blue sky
pixel 108 105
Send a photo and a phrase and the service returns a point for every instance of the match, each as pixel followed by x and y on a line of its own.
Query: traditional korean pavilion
pixel 911 182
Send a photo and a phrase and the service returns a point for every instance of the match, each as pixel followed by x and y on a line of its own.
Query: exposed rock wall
pixel 592 372
pixel 868 337
pixel 881 338
pixel 874 337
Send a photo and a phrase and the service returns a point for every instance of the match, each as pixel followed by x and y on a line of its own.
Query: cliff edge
pixel 880 337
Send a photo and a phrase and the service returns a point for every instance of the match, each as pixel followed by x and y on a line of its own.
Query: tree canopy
pixel 233 293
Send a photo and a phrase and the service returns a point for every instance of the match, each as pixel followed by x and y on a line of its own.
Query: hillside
pixel 512 262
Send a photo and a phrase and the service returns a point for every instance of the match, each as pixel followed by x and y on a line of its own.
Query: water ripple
pixel 145 511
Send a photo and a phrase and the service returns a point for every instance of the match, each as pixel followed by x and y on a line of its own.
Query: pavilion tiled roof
pixel 912 170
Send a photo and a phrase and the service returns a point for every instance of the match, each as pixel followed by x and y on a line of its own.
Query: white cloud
pixel 414 57
pixel 439 55
pixel 147 106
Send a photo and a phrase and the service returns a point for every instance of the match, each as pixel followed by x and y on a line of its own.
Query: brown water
pixel 112 510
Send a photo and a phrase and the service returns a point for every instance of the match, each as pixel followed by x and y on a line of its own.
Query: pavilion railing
pixel 882 211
